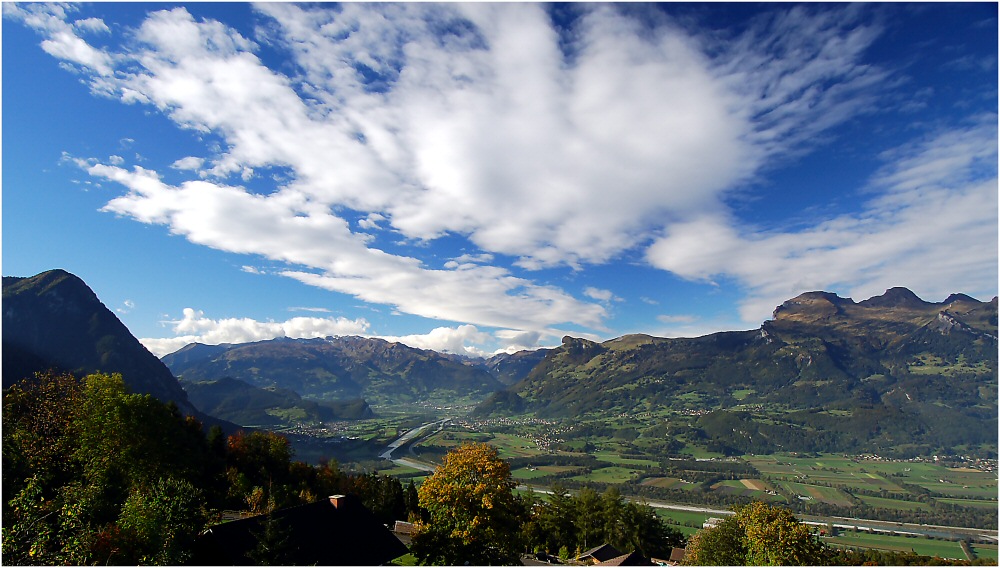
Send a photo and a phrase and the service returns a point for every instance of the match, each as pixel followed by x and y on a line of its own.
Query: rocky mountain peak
pixel 896 297
pixel 811 305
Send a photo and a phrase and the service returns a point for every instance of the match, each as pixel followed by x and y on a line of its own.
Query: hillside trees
pixel 95 474
pixel 474 516
pixel 757 535
pixel 588 519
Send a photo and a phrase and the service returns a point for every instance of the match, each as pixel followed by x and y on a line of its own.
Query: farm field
pixel 541 471
pixel 752 488
pixel 808 492
pixel 668 483
pixel 978 503
pixel 918 545
pixel 893 503
pixel 614 474
pixel 985 551
pixel 876 475
pixel 591 451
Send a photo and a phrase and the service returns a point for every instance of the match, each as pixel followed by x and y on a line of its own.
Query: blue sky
pixel 483 177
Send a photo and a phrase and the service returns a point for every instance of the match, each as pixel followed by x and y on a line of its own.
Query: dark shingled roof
pixel 630 559
pixel 600 553
pixel 320 533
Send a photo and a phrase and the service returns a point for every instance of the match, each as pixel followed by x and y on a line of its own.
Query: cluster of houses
pixel 607 555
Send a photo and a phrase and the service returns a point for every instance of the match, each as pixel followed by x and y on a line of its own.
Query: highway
pixel 407 437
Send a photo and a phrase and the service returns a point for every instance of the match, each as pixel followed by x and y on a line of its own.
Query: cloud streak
pixel 932 211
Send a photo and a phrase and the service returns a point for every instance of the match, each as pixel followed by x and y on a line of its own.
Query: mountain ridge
pixel 333 368
pixel 890 368
pixel 53 320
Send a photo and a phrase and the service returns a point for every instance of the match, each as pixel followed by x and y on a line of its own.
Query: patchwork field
pixel 894 503
pixel 808 492
pixel 669 482
pixel 613 474
pixel 541 471
pixel 917 545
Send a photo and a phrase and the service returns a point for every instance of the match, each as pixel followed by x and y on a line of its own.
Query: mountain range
pixel 888 371
pixel 337 368
pixel 825 372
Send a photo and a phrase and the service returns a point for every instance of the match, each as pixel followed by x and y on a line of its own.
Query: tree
pixel 722 545
pixel 757 534
pixel 774 537
pixel 85 464
pixel 474 515
pixel 163 521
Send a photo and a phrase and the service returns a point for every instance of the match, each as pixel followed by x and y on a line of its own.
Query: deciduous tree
pixel 474 515
pixel 757 534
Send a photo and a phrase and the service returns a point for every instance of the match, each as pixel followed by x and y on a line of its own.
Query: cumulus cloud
pixel 191 163
pixel 461 340
pixel 194 327
pixel 61 40
pixel 600 294
pixel 92 25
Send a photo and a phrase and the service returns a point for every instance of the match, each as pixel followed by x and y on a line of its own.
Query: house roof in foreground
pixel 339 531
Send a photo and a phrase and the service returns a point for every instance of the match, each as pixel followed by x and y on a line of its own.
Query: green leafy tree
pixel 474 515
pixel 589 520
pixel 258 468
pixel 722 545
pixel 163 520
pixel 79 455
pixel 758 534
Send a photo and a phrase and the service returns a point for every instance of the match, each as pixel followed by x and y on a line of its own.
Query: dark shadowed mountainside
pixel 337 368
pixel 508 368
pixel 825 373
pixel 245 404
pixel 55 321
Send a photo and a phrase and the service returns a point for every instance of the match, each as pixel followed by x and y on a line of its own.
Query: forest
pixel 93 474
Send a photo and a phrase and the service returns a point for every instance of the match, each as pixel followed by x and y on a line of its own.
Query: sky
pixel 476 178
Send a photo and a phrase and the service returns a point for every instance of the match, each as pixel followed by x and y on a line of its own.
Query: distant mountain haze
pixel 337 368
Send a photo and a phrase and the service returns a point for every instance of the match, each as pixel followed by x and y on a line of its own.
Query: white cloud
pixel 127 306
pixel 62 41
pixel 194 327
pixel 461 340
pixel 600 294
pixel 554 147
pixel 92 25
pixel 308 309
pixel 371 221
pixel 191 163
pixel 932 215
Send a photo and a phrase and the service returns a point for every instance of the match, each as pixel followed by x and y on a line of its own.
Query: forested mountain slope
pixel 337 368
pixel 55 321
pixel 826 373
